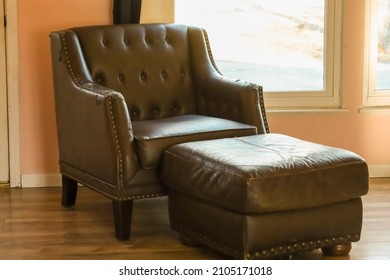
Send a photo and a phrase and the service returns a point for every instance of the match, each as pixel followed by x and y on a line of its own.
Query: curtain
pixel 127 11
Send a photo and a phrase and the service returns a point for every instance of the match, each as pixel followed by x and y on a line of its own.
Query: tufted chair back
pixel 148 64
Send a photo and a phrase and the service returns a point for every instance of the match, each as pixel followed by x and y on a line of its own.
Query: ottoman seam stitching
pixel 272 175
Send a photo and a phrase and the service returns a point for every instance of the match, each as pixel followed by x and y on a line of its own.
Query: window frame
pixel 372 97
pixel 330 97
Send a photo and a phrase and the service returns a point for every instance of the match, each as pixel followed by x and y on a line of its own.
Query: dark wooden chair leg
pixel 122 218
pixel 69 191
pixel 338 250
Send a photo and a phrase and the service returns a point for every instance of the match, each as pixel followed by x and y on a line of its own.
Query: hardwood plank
pixel 34 225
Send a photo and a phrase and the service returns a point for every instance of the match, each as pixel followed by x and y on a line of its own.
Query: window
pixel 290 47
pixel 377 78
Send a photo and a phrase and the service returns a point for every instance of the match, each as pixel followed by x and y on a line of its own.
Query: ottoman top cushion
pixel 264 173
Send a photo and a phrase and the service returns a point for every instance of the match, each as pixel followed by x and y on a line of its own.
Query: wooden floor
pixel 33 225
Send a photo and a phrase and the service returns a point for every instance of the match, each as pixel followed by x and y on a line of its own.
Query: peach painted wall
pixel 37 19
pixel 364 133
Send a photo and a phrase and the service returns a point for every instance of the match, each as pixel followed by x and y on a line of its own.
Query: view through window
pixel 377 78
pixel 279 44
pixel 383 48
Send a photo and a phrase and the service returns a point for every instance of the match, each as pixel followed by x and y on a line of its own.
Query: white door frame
pixel 4 159
pixel 10 10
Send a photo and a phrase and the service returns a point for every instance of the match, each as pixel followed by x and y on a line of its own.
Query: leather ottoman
pixel 261 196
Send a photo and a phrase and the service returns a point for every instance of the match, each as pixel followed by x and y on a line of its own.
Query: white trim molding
pixel 4 154
pixel 379 171
pixel 11 12
pixel 373 98
pixel 41 180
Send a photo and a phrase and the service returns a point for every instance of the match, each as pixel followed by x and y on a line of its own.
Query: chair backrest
pixel 149 64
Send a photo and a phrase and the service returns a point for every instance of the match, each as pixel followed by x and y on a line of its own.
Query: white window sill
pixel 378 109
pixel 309 110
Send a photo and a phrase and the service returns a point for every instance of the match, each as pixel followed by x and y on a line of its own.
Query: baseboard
pixel 379 171
pixel 54 180
pixel 41 180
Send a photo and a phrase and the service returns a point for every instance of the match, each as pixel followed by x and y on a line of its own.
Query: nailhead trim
pixel 90 87
pixel 262 107
pixel 117 146
pixel 206 36
pixel 265 253
pixel 132 197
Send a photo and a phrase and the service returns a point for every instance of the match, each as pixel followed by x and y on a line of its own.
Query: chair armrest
pixel 94 134
pixel 236 100
pixel 220 96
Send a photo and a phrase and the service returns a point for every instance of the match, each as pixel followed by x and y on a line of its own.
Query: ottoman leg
pixel 338 250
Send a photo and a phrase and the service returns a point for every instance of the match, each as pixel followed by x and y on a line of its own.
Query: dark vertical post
pixel 69 191
pixel 127 11
pixel 122 218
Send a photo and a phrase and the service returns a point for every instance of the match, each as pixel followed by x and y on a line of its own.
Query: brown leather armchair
pixel 125 93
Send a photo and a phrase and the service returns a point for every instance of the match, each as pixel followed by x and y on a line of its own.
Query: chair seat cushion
pixel 264 173
pixel 153 137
